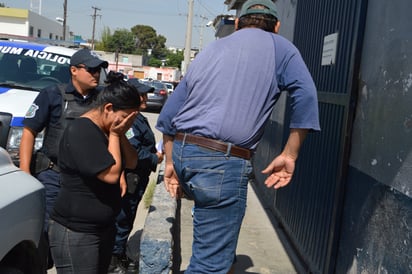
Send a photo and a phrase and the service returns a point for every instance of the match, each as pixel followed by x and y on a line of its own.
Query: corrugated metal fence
pixel 310 207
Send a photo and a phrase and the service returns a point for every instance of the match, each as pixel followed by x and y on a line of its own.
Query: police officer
pixel 52 109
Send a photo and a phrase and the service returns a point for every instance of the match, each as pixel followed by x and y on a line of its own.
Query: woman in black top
pixel 93 152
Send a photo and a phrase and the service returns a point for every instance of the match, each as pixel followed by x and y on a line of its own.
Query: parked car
pixel 170 87
pixel 157 99
pixel 25 69
pixel 22 206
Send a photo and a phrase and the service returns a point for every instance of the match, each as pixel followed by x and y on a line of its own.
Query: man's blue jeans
pixel 218 184
pixel 79 252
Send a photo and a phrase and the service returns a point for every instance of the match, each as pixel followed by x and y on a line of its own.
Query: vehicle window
pixel 158 85
pixel 34 68
pixel 133 81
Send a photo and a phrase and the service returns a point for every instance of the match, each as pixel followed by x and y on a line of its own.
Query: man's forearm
pixel 295 141
pixel 168 147
pixel 26 149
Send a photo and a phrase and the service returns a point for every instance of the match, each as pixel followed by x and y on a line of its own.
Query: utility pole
pixel 64 19
pixel 188 44
pixel 94 23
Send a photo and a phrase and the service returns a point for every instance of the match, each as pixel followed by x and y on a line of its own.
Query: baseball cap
pixel 88 58
pixel 270 8
pixel 141 88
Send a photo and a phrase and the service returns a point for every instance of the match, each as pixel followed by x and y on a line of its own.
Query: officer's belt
pixel 54 167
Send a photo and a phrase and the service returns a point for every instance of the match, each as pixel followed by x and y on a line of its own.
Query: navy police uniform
pixel 52 109
pixel 142 138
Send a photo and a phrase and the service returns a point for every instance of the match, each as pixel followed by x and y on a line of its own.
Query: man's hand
pixel 279 171
pixel 171 182
pixel 170 178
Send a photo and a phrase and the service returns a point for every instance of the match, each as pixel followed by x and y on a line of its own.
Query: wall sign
pixel 330 43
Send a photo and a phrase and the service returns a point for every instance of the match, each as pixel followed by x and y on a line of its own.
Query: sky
pixel 167 17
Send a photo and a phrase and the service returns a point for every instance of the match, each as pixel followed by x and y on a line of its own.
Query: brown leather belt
pixel 214 145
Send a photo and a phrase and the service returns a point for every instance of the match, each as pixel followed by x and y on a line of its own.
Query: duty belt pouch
pixel 39 162
pixel 132 180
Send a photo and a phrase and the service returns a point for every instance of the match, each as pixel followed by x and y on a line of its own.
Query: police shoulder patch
pixel 31 112
pixel 129 133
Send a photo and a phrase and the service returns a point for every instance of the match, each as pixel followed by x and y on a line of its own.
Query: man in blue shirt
pixel 215 119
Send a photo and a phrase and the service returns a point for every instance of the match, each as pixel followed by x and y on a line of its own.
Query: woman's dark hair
pixel 265 22
pixel 118 92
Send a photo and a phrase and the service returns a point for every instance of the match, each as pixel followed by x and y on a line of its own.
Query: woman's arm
pixel 111 174
pixel 116 147
pixel 130 154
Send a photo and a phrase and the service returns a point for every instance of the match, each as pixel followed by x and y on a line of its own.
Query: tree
pixel 122 40
pixel 174 59
pixel 140 40
pixel 154 62
pixel 2 5
pixel 147 39
pixel 105 38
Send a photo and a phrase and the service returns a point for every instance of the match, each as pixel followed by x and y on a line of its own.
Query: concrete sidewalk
pixel 259 249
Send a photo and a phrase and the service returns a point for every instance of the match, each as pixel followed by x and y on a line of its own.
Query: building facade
pixel 348 208
pixel 27 25
pixel 134 66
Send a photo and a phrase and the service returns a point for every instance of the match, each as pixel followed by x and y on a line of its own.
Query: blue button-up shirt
pixel 231 87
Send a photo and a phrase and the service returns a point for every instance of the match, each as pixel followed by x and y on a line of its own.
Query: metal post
pixel 94 24
pixel 188 44
pixel 64 19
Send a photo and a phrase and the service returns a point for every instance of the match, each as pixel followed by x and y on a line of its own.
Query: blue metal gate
pixel 309 209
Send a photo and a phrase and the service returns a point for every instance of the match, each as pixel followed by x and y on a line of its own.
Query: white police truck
pixel 25 69
pixel 22 205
